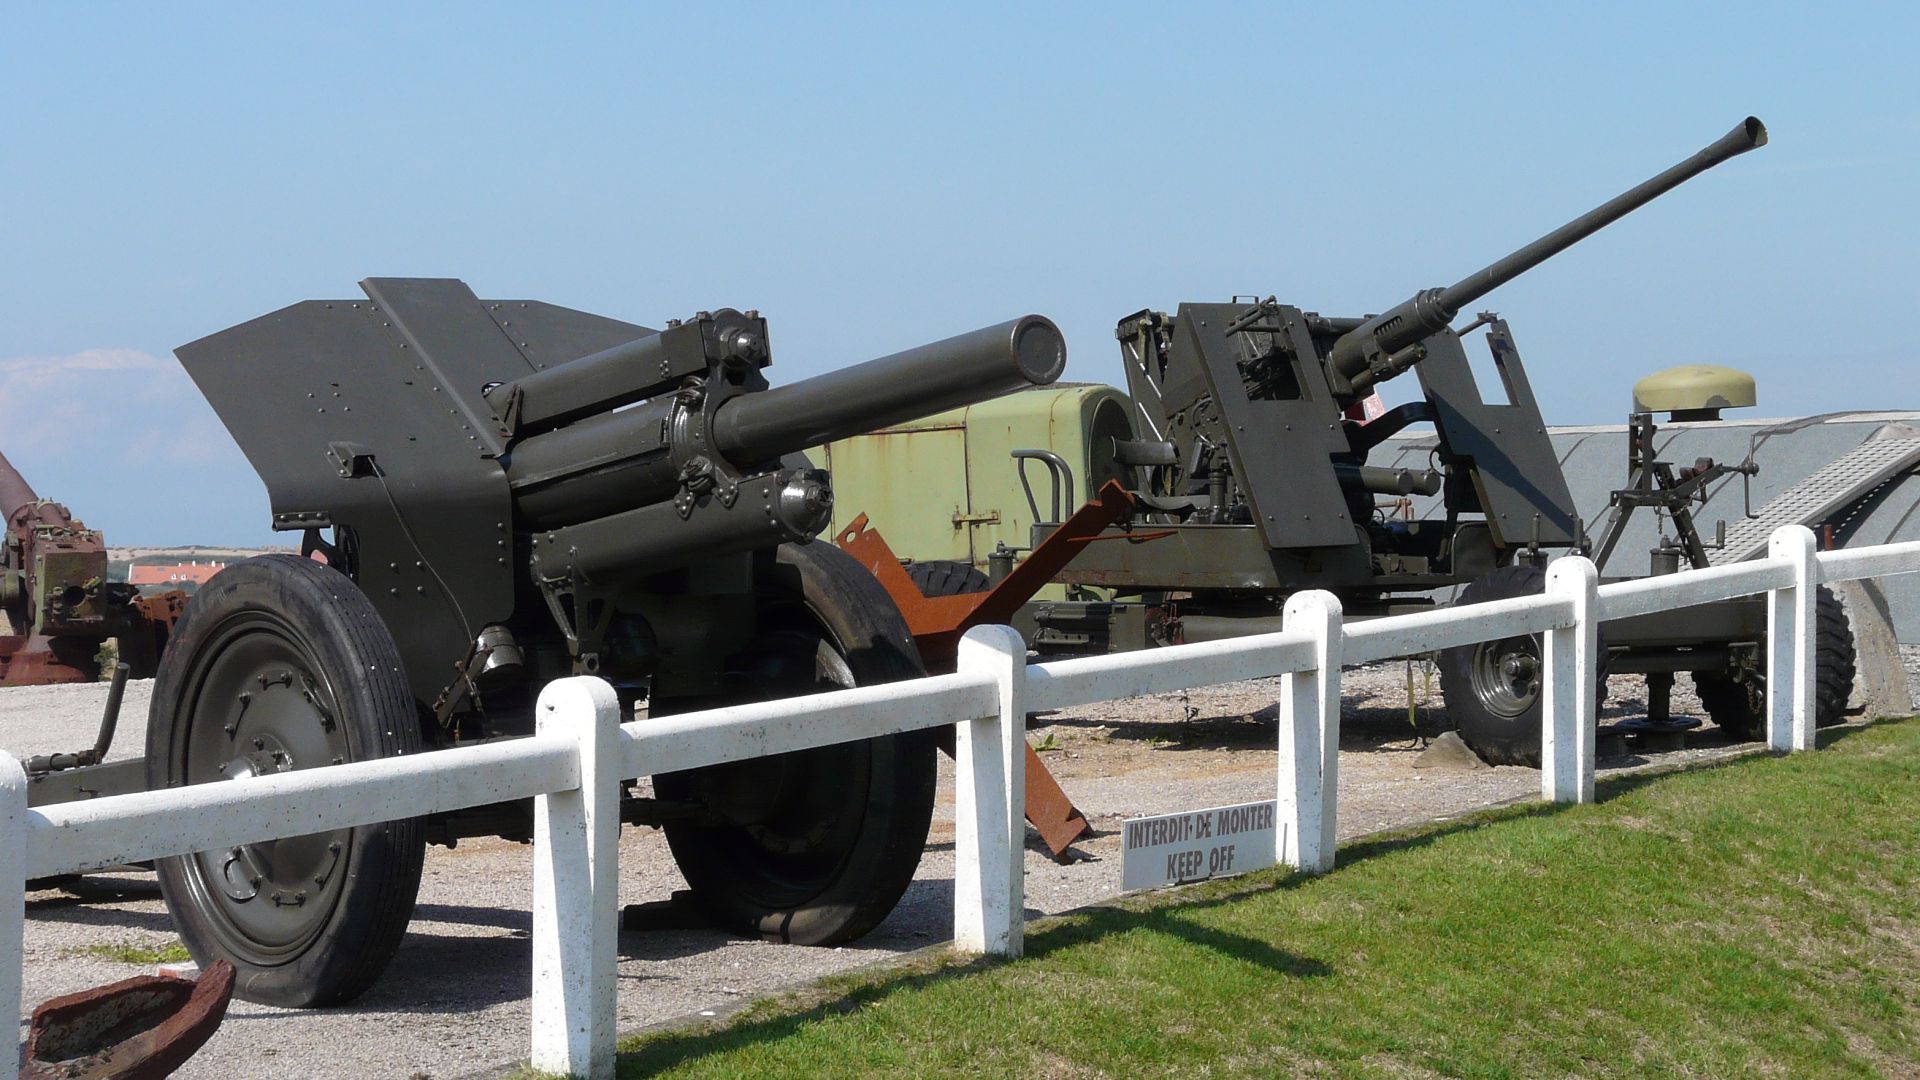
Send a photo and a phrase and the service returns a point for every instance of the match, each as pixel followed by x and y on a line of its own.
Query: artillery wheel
pixel 280 663
pixel 1738 703
pixel 945 577
pixel 1493 689
pixel 816 847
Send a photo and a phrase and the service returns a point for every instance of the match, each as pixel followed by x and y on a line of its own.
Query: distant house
pixel 174 574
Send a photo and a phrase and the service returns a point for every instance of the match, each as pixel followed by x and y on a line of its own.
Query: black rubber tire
pixel 1738 704
pixel 1502 726
pixel 945 577
pixel 345 696
pixel 825 841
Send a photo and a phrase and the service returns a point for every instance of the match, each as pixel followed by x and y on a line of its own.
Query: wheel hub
pixel 268 756
pixel 258 712
pixel 1521 670
pixel 1506 675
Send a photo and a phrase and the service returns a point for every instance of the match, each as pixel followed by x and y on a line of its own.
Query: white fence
pixel 581 752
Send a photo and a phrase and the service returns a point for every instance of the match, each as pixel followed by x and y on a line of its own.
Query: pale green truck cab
pixel 947 488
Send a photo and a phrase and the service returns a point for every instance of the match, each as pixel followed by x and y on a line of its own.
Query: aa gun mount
pixel 1254 433
pixel 1254 422
pixel 496 493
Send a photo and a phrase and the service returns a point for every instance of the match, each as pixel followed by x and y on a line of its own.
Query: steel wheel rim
pixel 1505 676
pixel 257 704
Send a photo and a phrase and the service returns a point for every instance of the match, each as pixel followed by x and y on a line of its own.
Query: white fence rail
pixel 574 764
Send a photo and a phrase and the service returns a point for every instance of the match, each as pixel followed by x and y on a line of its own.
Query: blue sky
pixel 873 177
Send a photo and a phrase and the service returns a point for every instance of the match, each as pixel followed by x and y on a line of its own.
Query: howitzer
pixel 493 494
pixel 1254 432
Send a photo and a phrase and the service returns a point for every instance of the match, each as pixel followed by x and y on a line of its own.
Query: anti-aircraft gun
pixel 494 494
pixel 1254 422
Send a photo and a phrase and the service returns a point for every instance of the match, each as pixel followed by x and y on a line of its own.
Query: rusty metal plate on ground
pixel 142 1028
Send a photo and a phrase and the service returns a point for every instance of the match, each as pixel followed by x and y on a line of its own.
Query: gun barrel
pixel 962 370
pixel 617 461
pixel 15 492
pixel 1747 135
pixel 1431 310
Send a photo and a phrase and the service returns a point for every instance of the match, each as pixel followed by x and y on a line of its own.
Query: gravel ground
pixel 454 1001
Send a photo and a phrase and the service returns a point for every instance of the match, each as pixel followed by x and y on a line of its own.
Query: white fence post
pixel 1570 712
pixel 1791 630
pixel 990 798
pixel 13 904
pixel 1309 781
pixel 576 875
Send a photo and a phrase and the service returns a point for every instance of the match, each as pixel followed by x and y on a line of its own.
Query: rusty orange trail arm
pixel 1109 505
pixel 941 623
pixel 938 621
pixel 873 552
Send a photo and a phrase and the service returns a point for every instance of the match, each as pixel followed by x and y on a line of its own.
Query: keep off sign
pixel 1177 848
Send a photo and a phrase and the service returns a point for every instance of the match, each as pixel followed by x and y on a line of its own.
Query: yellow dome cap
pixel 1694 388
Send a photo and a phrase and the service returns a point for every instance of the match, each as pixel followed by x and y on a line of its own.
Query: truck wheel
pixel 1493 689
pixel 815 847
pixel 280 663
pixel 944 577
pixel 1738 703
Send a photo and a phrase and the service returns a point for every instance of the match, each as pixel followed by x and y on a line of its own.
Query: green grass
pixel 1759 919
pixel 130 952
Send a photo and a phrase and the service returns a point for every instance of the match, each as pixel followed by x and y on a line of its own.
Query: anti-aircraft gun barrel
pixel 1373 351
pixel 1747 135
